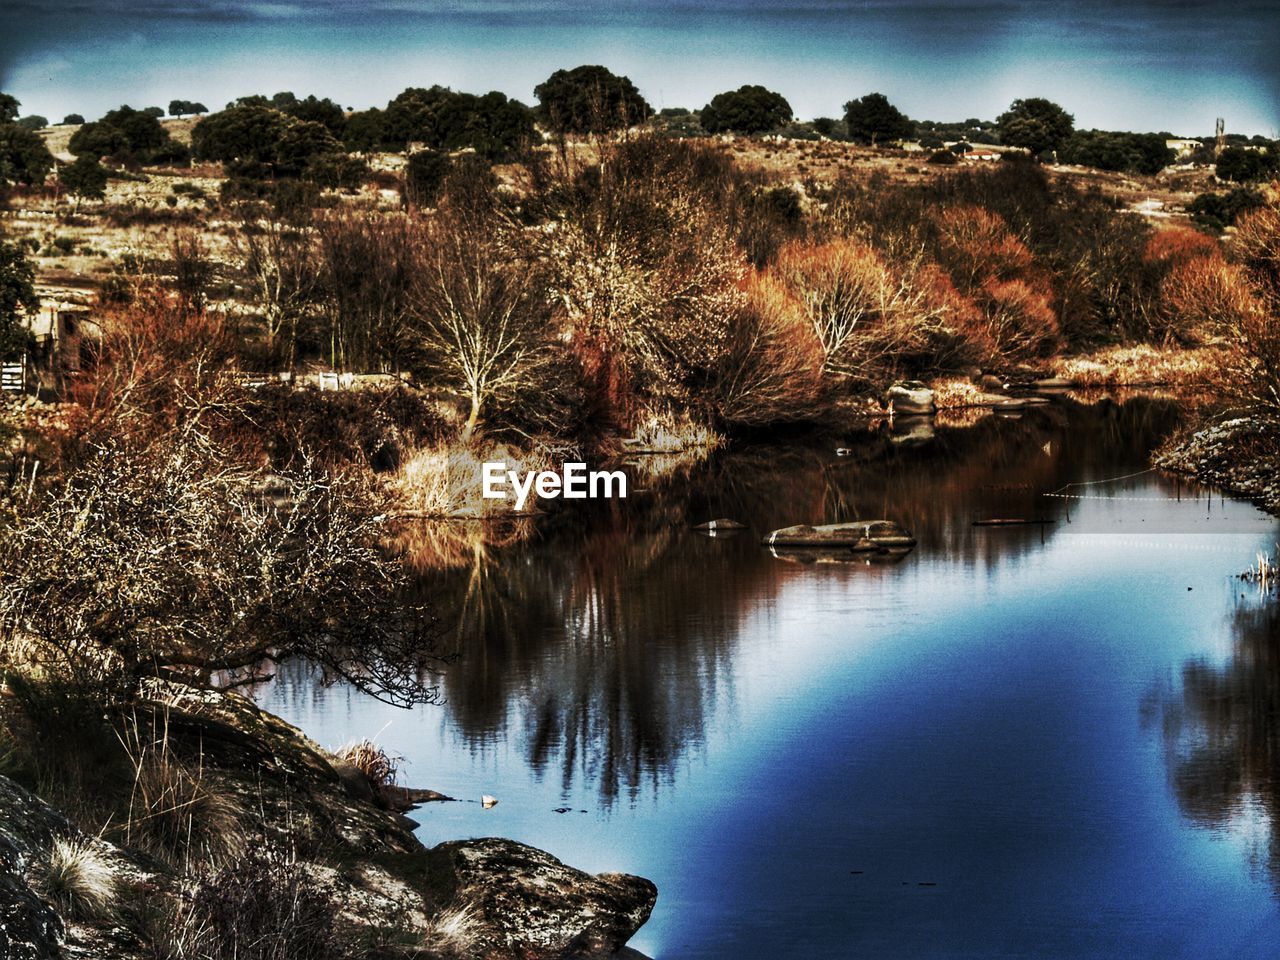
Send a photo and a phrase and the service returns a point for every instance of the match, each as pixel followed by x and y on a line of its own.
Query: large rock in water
pixel 910 398
pixel 536 908
pixel 859 535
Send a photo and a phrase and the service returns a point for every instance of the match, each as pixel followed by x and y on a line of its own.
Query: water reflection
pixel 602 634
pixel 1222 735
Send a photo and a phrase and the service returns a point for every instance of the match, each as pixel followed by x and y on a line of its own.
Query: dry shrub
pixel 1177 245
pixel 447 480
pixel 1253 375
pixel 81 879
pixel 264 905
pixel 1019 319
pixel 157 366
pixel 371 760
pixel 994 267
pixel 1205 295
pixel 872 319
pixel 771 365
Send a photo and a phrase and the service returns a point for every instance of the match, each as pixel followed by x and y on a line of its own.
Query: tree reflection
pixel 599 638
pixel 1222 733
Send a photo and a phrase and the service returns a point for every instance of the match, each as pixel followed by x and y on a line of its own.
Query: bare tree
pixel 366 272
pixel 481 319
pixel 279 258
pixel 161 561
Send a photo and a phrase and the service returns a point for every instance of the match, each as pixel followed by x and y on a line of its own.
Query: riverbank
pixel 295 843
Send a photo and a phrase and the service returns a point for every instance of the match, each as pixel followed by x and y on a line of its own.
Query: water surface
pixel 1050 741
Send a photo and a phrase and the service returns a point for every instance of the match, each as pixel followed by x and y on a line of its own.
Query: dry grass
pixel 1143 365
pixel 371 760
pixel 453 932
pixel 956 393
pixel 81 879
pixel 447 480
pixel 666 432
pixel 177 811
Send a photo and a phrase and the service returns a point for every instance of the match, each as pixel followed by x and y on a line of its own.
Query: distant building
pixel 1183 148
pixel 59 329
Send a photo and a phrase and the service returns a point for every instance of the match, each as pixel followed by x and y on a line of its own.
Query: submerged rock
pixel 534 907
pixel 720 524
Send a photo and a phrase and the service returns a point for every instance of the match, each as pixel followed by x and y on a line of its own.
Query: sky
pixel 1115 64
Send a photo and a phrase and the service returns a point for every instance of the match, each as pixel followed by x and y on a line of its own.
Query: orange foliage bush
pixel 1013 295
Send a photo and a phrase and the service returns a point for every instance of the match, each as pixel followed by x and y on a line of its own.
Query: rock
pixel 534 907
pixel 1052 383
pixel 722 524
pixel 911 398
pixel 863 535
pixel 29 929
pixel 991 382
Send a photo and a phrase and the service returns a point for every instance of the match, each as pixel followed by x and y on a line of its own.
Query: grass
pixel 1143 365
pixel 371 760
pixel 454 931
pixel 176 810
pixel 81 879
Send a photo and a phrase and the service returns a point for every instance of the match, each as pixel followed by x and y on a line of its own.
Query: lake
pixel 1056 740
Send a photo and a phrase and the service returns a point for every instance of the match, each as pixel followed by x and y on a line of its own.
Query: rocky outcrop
pixel 534 907
pixel 1241 456
pixel 863 535
pixel 29 929
pixel 359 850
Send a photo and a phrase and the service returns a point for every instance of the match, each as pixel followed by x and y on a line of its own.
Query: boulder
pixel 862 535
pixel 532 906
pixel 911 398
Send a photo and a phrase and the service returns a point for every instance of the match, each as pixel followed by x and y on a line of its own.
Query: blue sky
pixel 1158 64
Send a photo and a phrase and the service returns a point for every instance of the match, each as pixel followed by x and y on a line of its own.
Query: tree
pixel 1242 165
pixel 156 112
pixel 179 108
pixel 365 130
pixel 33 121
pixel 9 108
pixel 873 118
pixel 481 318
pixel 24 158
pixel 187 574
pixel 589 99
pixel 278 255
pixel 248 132
pixel 17 296
pixel 324 112
pixel 424 175
pixel 1128 152
pixel 125 133
pixel 72 119
pixel 298 142
pixel 84 179
pixel 749 109
pixel 1035 124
